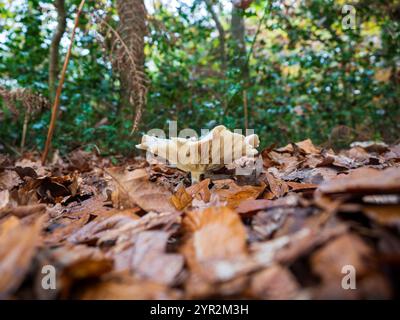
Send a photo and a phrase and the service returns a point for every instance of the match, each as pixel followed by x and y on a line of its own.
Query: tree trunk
pixel 238 41
pixel 55 46
pixel 221 33
pixel 239 58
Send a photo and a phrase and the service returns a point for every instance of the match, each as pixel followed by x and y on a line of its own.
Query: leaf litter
pixel 141 231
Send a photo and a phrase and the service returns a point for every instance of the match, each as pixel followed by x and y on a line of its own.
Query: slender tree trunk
pixel 239 59
pixel 221 33
pixel 238 41
pixel 55 46
pixel 222 48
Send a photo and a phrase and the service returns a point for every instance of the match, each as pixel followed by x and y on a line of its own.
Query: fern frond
pixel 32 102
pixel 125 49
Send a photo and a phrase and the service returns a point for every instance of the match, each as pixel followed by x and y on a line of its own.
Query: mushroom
pixel 197 156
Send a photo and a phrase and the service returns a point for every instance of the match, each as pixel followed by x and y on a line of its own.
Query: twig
pixel 246 121
pixel 12 148
pixel 56 103
pixel 25 129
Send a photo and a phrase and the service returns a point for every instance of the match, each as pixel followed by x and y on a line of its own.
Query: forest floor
pixel 312 225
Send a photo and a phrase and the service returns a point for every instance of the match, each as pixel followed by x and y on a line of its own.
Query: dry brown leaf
pixel 23 211
pixel 168 176
pixel 63 231
pixel 393 153
pixel 121 227
pixel 35 166
pixel 181 199
pixel 79 262
pixel 306 146
pixel 265 223
pixel 295 186
pixel 9 179
pixel 128 288
pixel 200 190
pixel 347 249
pixel 285 161
pixel 386 215
pixel 278 187
pixel 81 160
pixel 359 155
pixel 227 190
pixel 286 249
pixel 274 283
pixel 365 180
pixel 267 159
pixel 150 260
pixel 371 146
pixel 248 206
pixel 4 199
pixel 134 188
pixel 18 244
pixel 314 176
pixel 198 288
pixel 216 233
pixel 184 197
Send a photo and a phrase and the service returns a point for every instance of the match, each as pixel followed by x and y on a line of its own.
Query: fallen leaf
pixel 265 223
pixel 393 153
pixel 365 180
pixel 387 215
pixel 217 233
pixel 248 206
pixel 150 260
pixel 278 187
pixel 128 288
pixel 295 186
pixel 181 199
pixel 347 249
pixel 23 211
pixel 81 160
pixel 314 176
pixel 306 147
pixel 134 187
pixel 274 283
pixel 184 196
pixel 18 244
pixel 371 146
pixel 4 199
pixel 9 179
pixel 227 190
pixel 121 227
pixel 73 264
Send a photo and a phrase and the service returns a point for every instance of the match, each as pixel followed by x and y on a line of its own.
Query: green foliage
pixel 306 74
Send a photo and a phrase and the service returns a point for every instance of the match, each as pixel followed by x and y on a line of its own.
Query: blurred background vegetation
pixel 288 69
